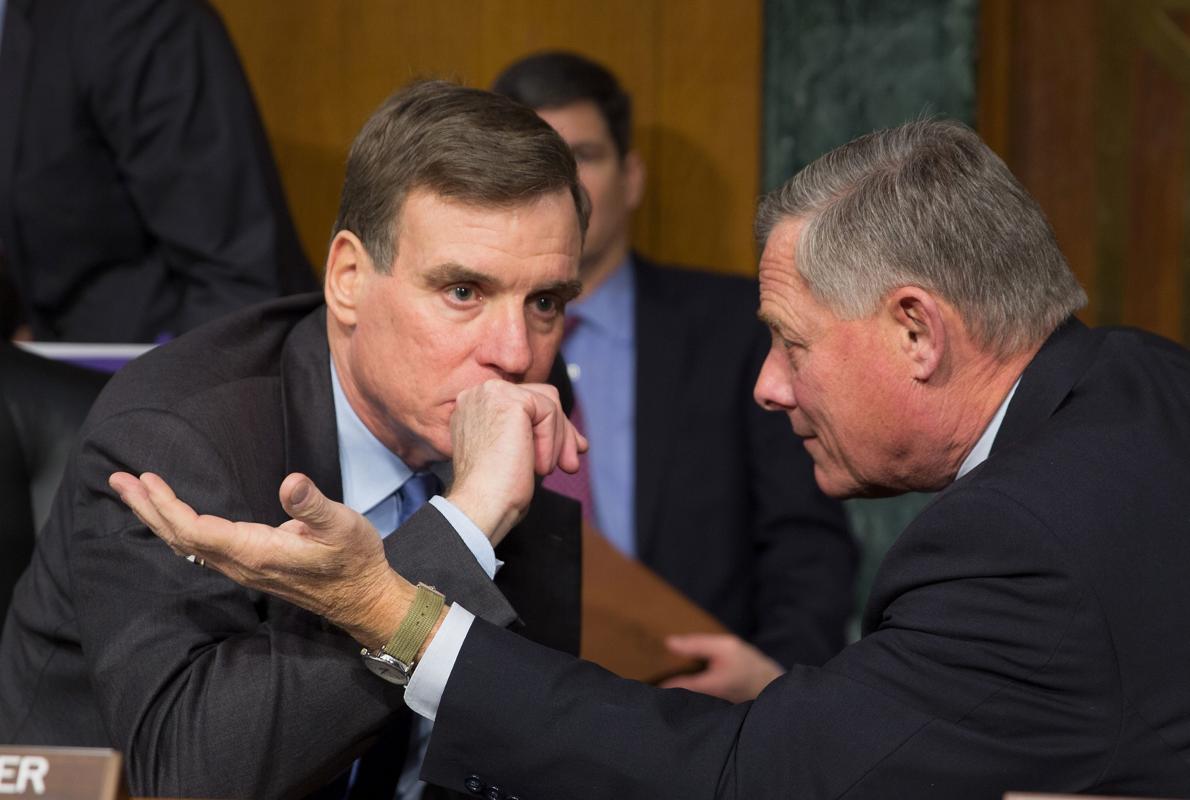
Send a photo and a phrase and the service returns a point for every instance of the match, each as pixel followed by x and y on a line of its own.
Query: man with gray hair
pixel 1026 630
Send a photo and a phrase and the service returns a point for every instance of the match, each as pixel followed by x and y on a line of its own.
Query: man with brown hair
pixel 455 252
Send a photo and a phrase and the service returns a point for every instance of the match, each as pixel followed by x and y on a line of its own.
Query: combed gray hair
pixel 927 204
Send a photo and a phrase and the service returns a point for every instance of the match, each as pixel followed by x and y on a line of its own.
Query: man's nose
pixel 774 385
pixel 505 347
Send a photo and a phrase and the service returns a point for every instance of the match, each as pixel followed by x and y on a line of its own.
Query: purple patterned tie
pixel 578 485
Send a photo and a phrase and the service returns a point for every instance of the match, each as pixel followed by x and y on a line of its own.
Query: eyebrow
pixel 567 290
pixel 453 272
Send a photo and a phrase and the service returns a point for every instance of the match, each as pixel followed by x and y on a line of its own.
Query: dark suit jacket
pixel 138 195
pixel 727 509
pixel 1027 631
pixel 208 689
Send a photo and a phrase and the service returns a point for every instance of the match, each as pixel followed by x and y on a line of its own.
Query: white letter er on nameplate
pixel 64 773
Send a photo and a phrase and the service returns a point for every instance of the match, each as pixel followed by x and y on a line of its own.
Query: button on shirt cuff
pixel 424 692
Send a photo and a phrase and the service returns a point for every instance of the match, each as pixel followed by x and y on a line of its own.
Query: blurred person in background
pixel 138 194
pixel 686 473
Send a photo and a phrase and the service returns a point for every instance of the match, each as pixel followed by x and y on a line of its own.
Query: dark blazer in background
pixel 210 690
pixel 1027 631
pixel 42 405
pixel 138 196
pixel 727 509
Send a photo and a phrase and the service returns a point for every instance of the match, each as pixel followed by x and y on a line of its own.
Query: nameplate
pixel 63 773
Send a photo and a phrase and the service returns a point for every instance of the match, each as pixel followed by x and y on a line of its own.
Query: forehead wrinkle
pixel 768 319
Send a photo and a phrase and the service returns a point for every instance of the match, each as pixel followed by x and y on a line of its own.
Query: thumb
pixel 303 501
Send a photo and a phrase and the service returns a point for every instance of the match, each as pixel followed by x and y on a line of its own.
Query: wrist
pixel 397 659
pixel 381 608
pixel 494 517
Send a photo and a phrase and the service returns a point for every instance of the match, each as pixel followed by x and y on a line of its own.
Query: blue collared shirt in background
pixel 601 357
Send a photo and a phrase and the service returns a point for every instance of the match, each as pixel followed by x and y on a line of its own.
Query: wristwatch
pixel 395 661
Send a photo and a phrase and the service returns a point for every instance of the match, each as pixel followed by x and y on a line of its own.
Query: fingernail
pixel 301 493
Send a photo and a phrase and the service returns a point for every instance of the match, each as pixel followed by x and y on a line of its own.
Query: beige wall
pixel 318 68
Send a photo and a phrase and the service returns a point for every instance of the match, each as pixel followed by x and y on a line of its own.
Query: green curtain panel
pixel 834 69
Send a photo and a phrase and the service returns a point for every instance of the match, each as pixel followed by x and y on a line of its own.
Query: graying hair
pixel 927 204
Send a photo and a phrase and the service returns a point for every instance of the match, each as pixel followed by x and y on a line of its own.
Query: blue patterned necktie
pixel 380 768
pixel 414 493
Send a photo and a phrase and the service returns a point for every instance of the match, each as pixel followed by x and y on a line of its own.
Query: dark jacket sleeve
pixel 208 689
pixel 975 680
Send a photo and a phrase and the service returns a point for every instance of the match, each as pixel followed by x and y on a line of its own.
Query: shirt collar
pixel 371 472
pixel 983 447
pixel 610 306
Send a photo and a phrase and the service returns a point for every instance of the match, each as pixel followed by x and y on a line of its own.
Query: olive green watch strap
pixel 414 629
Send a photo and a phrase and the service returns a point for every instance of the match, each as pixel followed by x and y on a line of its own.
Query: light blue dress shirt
pixel 371 475
pixel 601 359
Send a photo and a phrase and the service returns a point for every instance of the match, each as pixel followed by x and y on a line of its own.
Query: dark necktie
pixel 578 485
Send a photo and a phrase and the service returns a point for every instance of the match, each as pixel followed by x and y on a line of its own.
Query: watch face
pixel 387 667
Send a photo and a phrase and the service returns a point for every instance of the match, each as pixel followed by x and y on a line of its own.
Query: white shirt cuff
pixel 424 692
pixel 469 532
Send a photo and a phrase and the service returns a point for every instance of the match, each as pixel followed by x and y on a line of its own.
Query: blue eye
pixel 463 294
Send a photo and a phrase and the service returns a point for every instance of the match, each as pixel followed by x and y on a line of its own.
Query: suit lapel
pixel 1047 381
pixel 542 573
pixel 660 341
pixel 311 439
pixel 15 51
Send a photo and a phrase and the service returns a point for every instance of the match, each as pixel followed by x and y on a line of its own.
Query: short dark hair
pixel 460 143
pixel 927 204
pixel 558 78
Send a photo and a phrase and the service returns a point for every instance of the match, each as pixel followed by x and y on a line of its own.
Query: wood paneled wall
pixel 319 68
pixel 1087 101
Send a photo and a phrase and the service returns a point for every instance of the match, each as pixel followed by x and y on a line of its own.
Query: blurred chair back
pixel 42 405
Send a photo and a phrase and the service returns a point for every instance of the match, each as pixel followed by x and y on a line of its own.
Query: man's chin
pixel 846 487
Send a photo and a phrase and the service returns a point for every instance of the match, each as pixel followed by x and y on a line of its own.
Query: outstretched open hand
pixel 327 559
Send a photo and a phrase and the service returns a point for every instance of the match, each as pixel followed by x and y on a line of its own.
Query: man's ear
pixel 347 265
pixel 918 325
pixel 634 180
